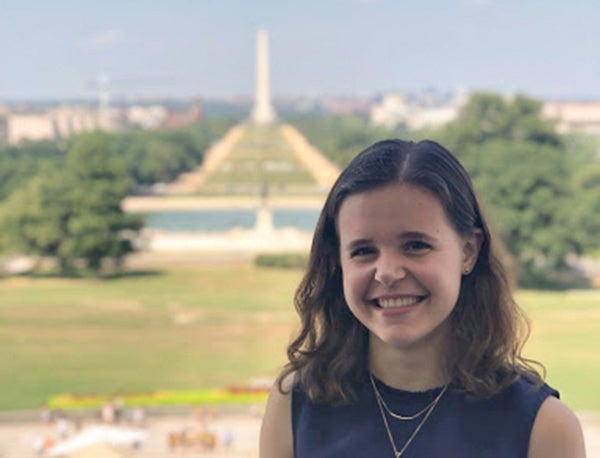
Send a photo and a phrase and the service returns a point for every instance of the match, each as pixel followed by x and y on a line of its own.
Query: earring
pixel 466 271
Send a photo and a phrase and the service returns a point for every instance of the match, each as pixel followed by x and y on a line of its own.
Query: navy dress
pixel 499 427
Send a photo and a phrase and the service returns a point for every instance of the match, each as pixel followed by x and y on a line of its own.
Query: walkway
pixel 17 439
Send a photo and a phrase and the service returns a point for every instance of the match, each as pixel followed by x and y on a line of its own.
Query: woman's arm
pixel 556 432
pixel 276 431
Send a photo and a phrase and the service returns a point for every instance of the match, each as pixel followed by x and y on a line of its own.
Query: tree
pixel 97 226
pixel 340 138
pixel 585 211
pixel 488 116
pixel 74 213
pixel 19 165
pixel 33 220
pixel 523 185
pixel 532 180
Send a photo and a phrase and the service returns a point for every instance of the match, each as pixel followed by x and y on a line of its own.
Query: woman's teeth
pixel 398 301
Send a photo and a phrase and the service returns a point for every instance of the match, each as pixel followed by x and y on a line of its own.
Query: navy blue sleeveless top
pixel 499 427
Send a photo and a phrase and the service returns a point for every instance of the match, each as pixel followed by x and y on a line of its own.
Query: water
pixel 225 220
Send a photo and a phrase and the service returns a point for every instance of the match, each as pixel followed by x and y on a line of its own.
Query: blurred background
pixel 163 165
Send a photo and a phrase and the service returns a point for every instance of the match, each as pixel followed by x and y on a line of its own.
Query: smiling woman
pixel 409 326
pixel 402 262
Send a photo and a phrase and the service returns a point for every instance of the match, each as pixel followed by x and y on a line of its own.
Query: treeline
pixel 64 200
pixel 340 138
pixel 148 156
pixel 540 189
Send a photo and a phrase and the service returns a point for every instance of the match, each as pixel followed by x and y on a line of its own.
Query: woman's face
pixel 402 263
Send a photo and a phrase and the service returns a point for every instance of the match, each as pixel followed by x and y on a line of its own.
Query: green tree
pixel 540 187
pixel 97 226
pixel 19 164
pixel 33 220
pixel 523 185
pixel 585 209
pixel 73 213
pixel 341 137
pixel 488 116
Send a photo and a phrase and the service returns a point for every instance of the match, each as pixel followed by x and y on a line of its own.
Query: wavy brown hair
pixel 328 357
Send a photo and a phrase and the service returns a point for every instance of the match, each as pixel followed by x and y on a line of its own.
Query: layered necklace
pixel 383 408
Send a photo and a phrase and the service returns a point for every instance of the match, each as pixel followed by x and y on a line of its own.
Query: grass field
pixel 566 339
pixel 213 326
pixel 261 157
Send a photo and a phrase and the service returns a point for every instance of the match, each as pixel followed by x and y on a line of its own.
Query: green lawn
pixel 566 339
pixel 214 326
pixel 182 328
pixel 262 156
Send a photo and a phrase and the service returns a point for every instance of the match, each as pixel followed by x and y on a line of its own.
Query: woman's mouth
pixel 400 301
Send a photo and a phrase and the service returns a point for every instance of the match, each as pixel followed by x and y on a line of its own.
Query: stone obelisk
pixel 263 112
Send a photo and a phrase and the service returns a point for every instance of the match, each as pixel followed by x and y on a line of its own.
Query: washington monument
pixel 263 112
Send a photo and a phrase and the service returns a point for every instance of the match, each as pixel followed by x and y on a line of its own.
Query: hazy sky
pixel 54 48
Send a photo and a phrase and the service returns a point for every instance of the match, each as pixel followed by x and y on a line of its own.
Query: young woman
pixel 410 340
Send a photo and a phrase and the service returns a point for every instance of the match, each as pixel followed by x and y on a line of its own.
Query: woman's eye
pixel 361 252
pixel 417 246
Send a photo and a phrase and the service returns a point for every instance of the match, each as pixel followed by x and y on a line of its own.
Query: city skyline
pixel 56 50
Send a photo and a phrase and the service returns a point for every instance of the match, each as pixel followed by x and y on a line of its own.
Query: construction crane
pixel 103 84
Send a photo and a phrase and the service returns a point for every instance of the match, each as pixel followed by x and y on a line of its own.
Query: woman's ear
pixel 471 249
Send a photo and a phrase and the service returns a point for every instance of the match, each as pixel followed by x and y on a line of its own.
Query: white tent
pixel 97 451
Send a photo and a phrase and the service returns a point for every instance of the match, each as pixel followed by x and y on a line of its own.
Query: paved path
pixel 137 204
pixel 16 439
pixel 321 168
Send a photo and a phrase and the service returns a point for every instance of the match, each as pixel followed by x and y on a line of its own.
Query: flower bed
pixel 233 395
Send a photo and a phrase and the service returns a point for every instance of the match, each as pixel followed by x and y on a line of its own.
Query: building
pixel 149 117
pixel 391 111
pixel 417 113
pixel 574 117
pixel 59 122
pixel 22 124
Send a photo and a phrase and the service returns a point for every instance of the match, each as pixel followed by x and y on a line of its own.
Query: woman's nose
pixel 389 269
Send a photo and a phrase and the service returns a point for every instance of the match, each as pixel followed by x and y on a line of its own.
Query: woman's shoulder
pixel 276 440
pixel 556 432
pixel 555 429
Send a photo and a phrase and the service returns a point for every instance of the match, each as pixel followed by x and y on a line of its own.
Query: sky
pixel 206 48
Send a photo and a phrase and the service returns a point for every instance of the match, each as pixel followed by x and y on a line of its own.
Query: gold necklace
pixel 380 403
pixel 397 415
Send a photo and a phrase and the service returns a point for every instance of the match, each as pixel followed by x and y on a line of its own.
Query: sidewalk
pixel 17 439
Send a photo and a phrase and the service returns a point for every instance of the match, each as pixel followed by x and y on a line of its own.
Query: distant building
pixel 23 124
pixel 176 119
pixel 56 123
pixel 392 111
pixel 147 117
pixel 30 126
pixel 346 105
pixel 70 120
pixel 572 117
pixel 396 109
